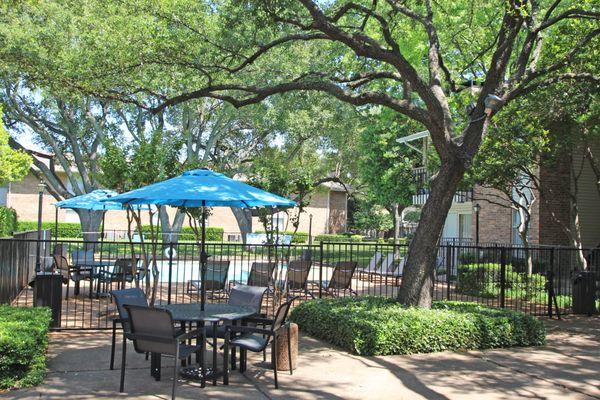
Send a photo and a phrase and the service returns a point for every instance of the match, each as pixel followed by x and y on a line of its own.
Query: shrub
pixel 483 280
pixel 338 238
pixel 382 326
pixel 8 221
pixel 65 229
pixel 213 234
pixel 23 343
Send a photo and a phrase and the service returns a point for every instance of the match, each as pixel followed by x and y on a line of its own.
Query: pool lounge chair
pixel 341 279
pixel 216 279
pixel 373 265
pixel 261 274
pixel 296 279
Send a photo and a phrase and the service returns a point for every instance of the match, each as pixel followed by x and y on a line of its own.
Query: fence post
pixel 170 272
pixel 320 269
pixel 449 258
pixel 550 282
pixel 502 276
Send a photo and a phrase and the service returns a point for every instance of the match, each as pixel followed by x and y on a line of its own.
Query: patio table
pixel 213 313
pixel 94 268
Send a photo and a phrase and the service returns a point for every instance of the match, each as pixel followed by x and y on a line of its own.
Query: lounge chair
pixel 258 339
pixel 341 278
pixel 296 279
pixel 373 265
pixel 153 331
pixel 261 274
pixel 216 279
pixel 392 268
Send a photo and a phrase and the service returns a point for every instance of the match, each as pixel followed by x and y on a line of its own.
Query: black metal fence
pixel 496 276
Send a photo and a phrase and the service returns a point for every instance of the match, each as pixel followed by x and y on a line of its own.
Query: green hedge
pixel 381 326
pixel 338 238
pixel 483 280
pixel 213 234
pixel 65 229
pixel 8 221
pixel 298 237
pixel 23 343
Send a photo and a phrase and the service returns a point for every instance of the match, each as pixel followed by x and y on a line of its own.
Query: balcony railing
pixel 422 179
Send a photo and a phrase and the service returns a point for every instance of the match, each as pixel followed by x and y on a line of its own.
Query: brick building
pixel 498 222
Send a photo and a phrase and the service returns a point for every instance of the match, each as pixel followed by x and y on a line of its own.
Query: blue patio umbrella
pixel 97 200
pixel 202 188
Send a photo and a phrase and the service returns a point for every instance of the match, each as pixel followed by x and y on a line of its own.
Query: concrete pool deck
pixel 568 367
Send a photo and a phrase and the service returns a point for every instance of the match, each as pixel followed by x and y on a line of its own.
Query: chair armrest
pixel 259 320
pixel 248 329
pixel 189 335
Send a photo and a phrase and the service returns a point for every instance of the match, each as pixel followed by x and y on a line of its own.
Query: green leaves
pixel 381 326
pixel 23 343
pixel 14 164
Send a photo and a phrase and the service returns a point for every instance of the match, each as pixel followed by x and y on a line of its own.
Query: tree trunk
pixel 417 283
pixel 524 218
pixel 170 231
pixel 397 211
pixel 90 224
pixel 244 219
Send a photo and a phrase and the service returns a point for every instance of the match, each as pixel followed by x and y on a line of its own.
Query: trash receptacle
pixel 283 356
pixel 47 292
pixel 584 293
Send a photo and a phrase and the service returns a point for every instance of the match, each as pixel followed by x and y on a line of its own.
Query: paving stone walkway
pixel 567 368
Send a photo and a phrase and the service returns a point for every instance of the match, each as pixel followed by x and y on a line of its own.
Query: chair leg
pixel 112 346
pixel 274 352
pixel 122 386
pixel 289 343
pixel 176 373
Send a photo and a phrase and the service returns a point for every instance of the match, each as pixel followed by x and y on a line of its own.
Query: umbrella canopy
pixel 92 201
pixel 202 188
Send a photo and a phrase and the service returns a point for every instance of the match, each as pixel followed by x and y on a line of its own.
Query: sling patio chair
pixel 241 295
pixel 122 272
pixel 341 279
pixel 393 269
pixel 153 331
pixel 257 339
pixel 296 279
pixel 132 296
pixel 69 272
pixel 261 274
pixel 216 279
pixel 387 260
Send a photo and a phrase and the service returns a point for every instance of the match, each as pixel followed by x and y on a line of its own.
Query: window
pixel 464 226
pixel 3 195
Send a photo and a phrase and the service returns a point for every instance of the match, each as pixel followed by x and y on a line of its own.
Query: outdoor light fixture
pixel 492 103
pixel 38 259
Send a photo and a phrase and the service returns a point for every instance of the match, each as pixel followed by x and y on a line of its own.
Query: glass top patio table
pixel 213 312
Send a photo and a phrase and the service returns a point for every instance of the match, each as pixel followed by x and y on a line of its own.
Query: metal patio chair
pixel 69 272
pixel 132 296
pixel 257 339
pixel 216 279
pixel 241 295
pixel 153 331
pixel 122 272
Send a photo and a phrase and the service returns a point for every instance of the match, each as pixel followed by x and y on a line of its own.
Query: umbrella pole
pixel 203 258
pixel 55 227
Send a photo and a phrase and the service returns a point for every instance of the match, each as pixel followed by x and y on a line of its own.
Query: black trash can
pixel 47 292
pixel 584 293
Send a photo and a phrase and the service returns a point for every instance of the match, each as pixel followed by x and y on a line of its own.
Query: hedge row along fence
pixel 382 326
pixel 23 344
pixel 73 230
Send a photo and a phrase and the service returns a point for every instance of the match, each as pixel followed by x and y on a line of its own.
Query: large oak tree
pixel 409 56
